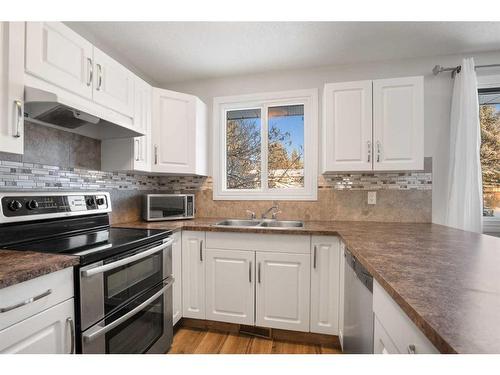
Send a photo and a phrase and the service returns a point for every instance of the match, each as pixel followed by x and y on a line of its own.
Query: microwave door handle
pixel 124 261
pixel 97 331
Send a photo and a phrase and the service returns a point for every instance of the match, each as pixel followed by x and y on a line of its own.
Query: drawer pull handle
pixel 26 302
pixel 72 331
pixel 411 349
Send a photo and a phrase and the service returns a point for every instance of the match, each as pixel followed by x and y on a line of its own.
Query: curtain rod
pixel 456 69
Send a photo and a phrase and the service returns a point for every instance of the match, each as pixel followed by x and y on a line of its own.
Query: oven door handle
pixel 124 261
pixel 97 331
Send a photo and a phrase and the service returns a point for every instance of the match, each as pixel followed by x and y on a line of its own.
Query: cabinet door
pixel 142 121
pixel 282 291
pixel 230 286
pixel 58 55
pixel 347 127
pixel 341 293
pixel 174 132
pixel 325 285
pixel 113 84
pixel 49 332
pixel 398 123
pixel 193 274
pixel 177 274
pixel 382 343
pixel 12 87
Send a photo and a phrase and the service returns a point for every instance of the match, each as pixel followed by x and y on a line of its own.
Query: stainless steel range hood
pixel 48 108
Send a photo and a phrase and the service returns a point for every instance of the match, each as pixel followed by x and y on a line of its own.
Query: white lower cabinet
pixel 282 291
pixel 193 274
pixel 230 285
pixel 49 332
pixel 341 293
pixel 394 331
pixel 37 316
pixel 177 274
pixel 325 260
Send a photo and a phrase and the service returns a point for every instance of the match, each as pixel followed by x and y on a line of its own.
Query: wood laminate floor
pixel 197 341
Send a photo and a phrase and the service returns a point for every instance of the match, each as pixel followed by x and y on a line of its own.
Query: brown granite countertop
pixel 19 266
pixel 446 280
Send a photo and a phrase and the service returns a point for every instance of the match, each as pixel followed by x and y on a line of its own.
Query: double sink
pixel 264 223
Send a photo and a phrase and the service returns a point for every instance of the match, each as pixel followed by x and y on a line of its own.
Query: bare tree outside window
pixel 489 113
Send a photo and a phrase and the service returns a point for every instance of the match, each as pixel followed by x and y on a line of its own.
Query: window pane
pixel 286 147
pixel 489 113
pixel 243 142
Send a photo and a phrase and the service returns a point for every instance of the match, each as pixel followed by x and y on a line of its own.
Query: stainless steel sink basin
pixel 282 224
pixel 239 223
pixel 261 223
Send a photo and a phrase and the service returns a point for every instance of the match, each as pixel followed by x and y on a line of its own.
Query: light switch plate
pixel 372 197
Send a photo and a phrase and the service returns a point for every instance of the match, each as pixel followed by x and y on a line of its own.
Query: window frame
pixel 490 224
pixel 262 101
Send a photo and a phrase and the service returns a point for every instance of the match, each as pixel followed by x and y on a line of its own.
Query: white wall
pixel 437 98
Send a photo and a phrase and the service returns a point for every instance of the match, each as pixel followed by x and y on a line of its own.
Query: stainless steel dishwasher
pixel 358 307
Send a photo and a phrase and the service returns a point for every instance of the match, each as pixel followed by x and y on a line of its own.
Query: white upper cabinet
pixel 398 123
pixel 282 291
pixel 230 286
pixel 325 259
pixel 12 87
pixel 113 84
pixel 58 55
pixel 374 125
pixel 179 133
pixel 347 126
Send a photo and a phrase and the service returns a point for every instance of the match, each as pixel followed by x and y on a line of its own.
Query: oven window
pixel 160 207
pixel 123 283
pixel 139 333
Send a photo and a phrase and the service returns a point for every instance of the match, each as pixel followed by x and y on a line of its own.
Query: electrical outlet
pixel 372 197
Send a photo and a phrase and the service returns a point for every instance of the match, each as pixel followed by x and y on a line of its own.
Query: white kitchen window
pixel 489 103
pixel 266 146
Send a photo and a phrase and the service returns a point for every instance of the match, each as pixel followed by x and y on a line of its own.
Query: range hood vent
pixel 46 108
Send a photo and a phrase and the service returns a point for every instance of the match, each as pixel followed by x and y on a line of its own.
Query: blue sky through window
pixel 293 125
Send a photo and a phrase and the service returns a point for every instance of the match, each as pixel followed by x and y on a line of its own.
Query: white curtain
pixel 465 204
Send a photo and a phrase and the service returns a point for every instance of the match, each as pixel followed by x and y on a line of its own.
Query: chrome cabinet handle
pixel 124 261
pixel 412 349
pixel 314 256
pixel 137 149
pixel 90 68
pixel 201 251
pixel 250 272
pixel 379 146
pixel 156 154
pixel 258 273
pixel 19 117
pixel 97 331
pixel 26 302
pixel 99 77
pixel 369 151
pixel 72 331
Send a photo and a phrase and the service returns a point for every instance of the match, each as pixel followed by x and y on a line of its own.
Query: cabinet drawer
pixel 286 243
pixel 382 343
pixel 59 283
pixel 401 330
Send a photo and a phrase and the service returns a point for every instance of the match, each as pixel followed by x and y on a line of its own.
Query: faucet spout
pixel 264 215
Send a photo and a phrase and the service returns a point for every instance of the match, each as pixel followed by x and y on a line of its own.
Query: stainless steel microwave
pixel 157 207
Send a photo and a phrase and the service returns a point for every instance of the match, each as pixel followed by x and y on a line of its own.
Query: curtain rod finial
pixel 437 69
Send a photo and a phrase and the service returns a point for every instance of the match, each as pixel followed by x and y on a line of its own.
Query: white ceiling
pixel 167 52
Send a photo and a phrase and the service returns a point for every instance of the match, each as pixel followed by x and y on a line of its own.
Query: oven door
pixel 166 207
pixel 144 325
pixel 107 285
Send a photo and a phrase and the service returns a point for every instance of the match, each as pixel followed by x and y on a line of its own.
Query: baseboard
pixel 330 341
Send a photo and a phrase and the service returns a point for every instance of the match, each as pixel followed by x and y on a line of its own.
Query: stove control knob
pixel 15 205
pixel 100 201
pixel 32 204
pixel 90 202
